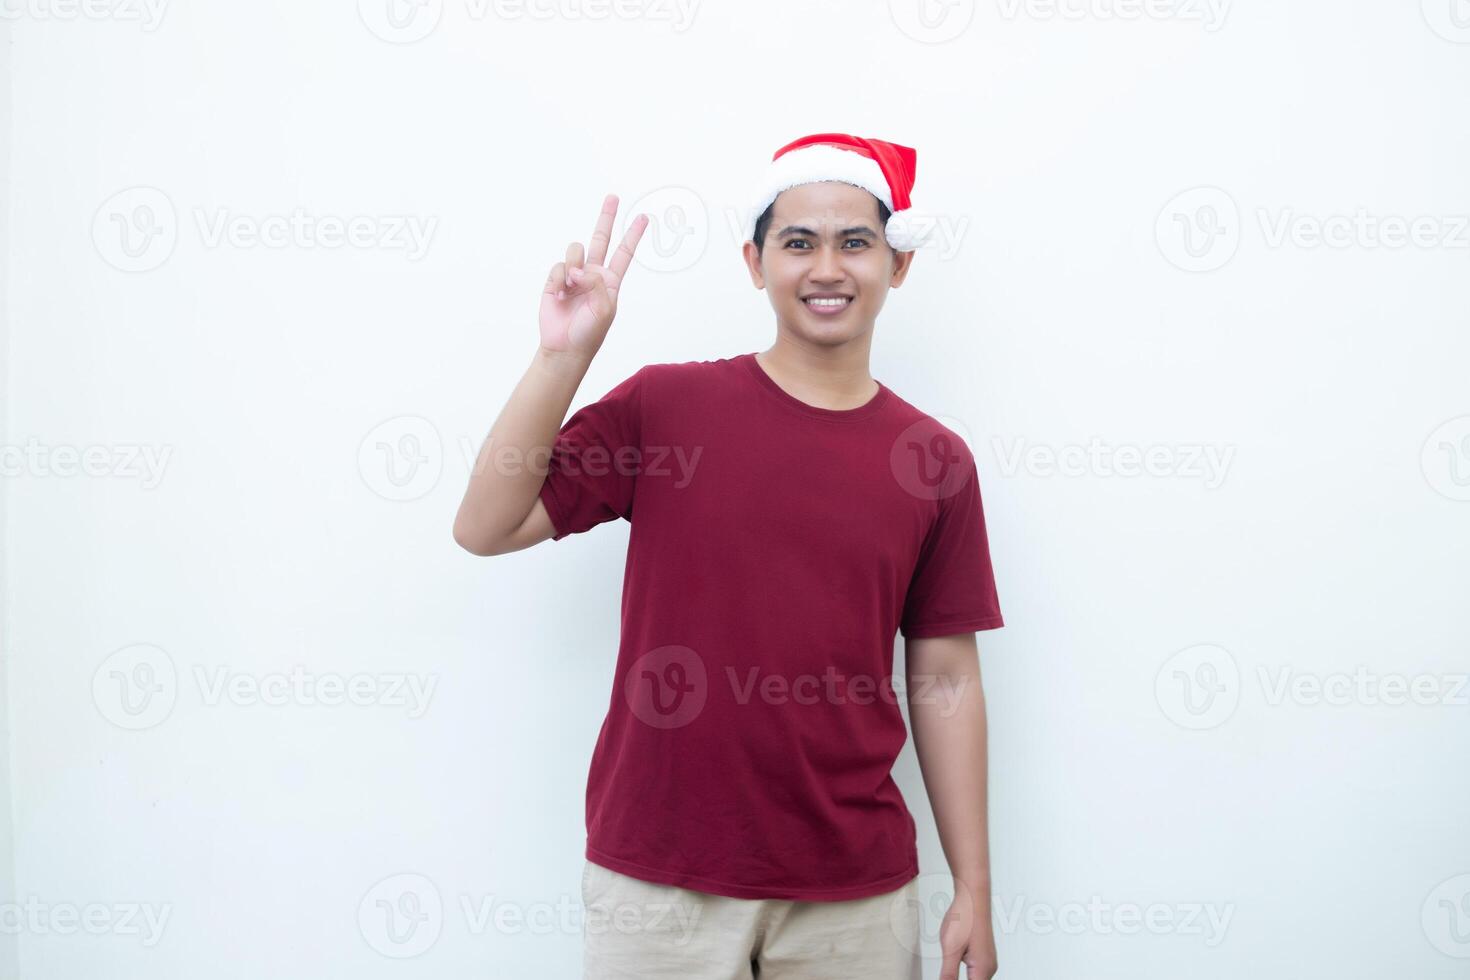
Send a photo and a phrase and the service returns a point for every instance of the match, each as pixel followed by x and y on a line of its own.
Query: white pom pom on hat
pixel 885 170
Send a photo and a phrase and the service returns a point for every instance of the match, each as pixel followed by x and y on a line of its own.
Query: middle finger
pixel 602 234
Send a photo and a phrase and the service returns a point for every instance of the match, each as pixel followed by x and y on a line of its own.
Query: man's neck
pixel 834 378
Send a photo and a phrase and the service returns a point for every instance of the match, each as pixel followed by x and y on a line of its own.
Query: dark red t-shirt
pixel 775 549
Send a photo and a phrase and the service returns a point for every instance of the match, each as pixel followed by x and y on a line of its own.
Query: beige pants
pixel 638 930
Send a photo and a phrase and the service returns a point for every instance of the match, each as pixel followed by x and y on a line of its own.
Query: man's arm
pixel 502 510
pixel 947 715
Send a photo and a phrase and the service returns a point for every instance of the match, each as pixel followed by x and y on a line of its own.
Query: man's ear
pixel 901 263
pixel 753 263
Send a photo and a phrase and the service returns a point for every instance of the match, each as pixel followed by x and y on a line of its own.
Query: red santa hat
pixel 885 170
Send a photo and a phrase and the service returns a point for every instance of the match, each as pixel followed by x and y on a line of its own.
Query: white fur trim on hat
pixel 812 164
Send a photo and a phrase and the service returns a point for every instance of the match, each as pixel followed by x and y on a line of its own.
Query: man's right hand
pixel 580 298
pixel 502 510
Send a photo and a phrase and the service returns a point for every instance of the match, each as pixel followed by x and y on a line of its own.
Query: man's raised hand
pixel 580 298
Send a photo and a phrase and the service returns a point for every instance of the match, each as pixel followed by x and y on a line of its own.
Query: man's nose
pixel 828 264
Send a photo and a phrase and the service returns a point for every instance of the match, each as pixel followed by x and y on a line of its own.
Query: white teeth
pixel 826 302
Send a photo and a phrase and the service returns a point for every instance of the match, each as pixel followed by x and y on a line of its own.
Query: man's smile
pixel 827 304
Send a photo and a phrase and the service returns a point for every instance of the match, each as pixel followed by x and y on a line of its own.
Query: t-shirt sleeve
pixel 953 586
pixel 593 469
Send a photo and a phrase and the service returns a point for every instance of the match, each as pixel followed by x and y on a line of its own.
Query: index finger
pixel 602 234
pixel 623 257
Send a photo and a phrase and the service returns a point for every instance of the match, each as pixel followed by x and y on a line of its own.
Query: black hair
pixel 763 224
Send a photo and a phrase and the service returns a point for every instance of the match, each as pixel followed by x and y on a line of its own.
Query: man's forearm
pixel 511 464
pixel 947 714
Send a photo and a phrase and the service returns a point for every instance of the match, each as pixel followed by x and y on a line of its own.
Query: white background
pixel 1112 268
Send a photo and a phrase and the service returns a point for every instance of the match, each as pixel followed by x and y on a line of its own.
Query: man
pixel 789 514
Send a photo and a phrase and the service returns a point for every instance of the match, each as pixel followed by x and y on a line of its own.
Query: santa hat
pixel 885 170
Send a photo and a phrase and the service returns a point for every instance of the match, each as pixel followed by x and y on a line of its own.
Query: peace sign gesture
pixel 580 298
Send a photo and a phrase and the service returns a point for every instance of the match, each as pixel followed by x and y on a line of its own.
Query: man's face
pixel 825 240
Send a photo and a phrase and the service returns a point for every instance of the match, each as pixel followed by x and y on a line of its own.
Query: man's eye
pixel 802 241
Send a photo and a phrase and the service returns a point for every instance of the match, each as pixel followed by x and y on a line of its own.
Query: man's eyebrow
pixel 798 230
